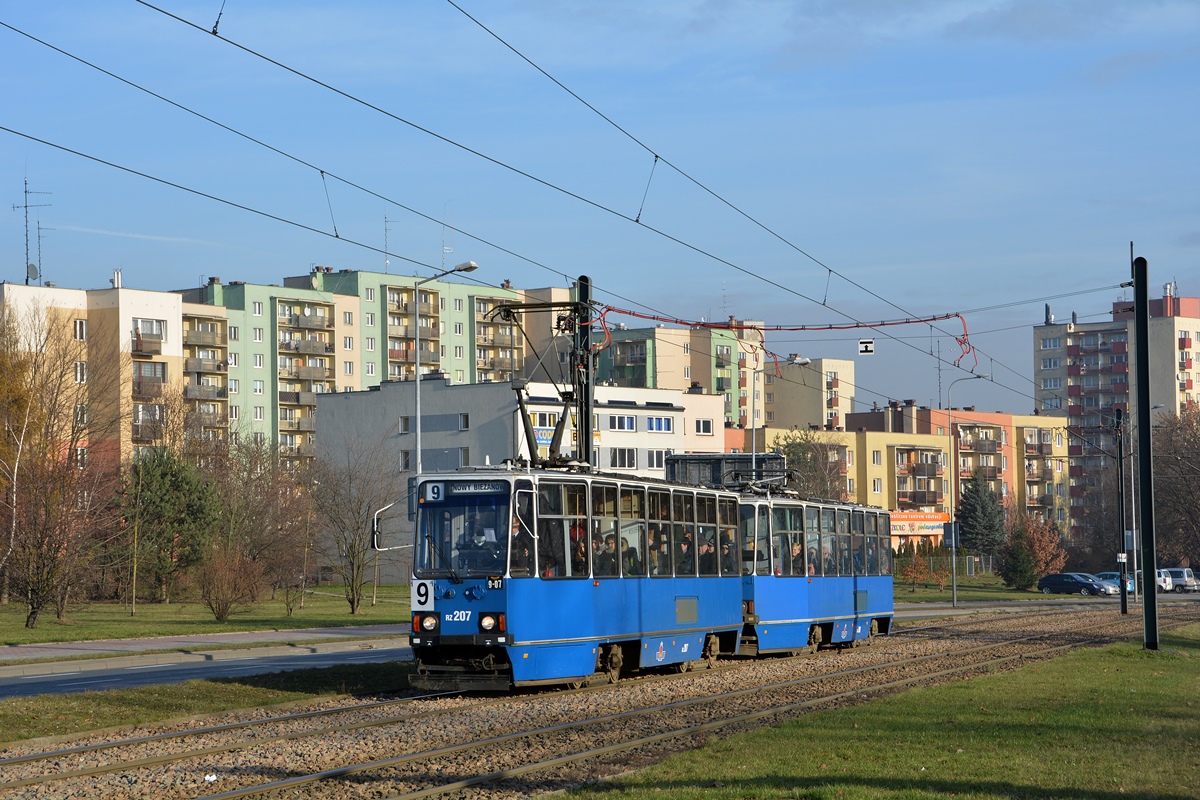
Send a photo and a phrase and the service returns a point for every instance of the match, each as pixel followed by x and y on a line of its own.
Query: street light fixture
pixel 953 480
pixel 466 266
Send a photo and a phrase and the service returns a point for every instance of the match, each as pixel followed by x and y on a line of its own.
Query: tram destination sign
pixel 476 487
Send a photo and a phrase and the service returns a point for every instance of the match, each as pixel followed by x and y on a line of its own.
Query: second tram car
pixel 541 576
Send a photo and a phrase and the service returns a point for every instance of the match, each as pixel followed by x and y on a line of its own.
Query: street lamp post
pixel 953 480
pixel 466 266
pixel 1121 551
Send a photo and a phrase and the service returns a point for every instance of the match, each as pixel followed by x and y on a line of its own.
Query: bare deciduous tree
pixel 350 483
pixel 815 461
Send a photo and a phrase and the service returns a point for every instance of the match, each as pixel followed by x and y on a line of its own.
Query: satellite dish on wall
pixel 31 272
pixel 307 311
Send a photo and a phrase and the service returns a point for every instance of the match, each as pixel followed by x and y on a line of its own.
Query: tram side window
pixel 706 535
pixel 858 543
pixel 872 544
pixel 551 549
pixel 746 527
pixel 828 543
pixel 812 539
pixel 633 532
pixel 885 544
pixel 762 543
pixel 522 550
pixel 683 545
pixel 845 562
pixel 729 546
pixel 658 546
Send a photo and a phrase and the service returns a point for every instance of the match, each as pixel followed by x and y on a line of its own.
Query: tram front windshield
pixel 461 531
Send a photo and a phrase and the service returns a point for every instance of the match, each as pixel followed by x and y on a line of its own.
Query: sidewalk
pixel 104 653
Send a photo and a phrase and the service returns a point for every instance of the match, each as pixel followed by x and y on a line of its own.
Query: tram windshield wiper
pixel 437 548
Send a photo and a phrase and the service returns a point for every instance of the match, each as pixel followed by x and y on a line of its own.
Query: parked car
pixel 1115 577
pixel 1110 587
pixel 1162 580
pixel 1183 579
pixel 1070 583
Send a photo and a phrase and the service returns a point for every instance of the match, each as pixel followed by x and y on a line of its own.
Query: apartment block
pixel 1084 374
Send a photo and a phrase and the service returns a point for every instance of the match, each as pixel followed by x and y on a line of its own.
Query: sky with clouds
pixel 805 163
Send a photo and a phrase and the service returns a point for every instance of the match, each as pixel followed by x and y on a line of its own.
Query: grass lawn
pixel 1098 723
pixel 53 715
pixel 976 588
pixel 325 607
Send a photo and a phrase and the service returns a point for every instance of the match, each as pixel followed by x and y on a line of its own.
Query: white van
pixel 1162 580
pixel 1183 579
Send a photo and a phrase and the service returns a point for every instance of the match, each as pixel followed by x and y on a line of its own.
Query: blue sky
pixel 888 159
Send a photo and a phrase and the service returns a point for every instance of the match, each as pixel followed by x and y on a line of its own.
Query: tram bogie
pixel 547 577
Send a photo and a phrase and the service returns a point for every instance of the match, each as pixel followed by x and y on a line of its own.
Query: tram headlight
pixel 487 622
pixel 429 622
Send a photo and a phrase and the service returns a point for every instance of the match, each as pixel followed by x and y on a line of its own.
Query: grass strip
pixel 59 715
pixel 1098 723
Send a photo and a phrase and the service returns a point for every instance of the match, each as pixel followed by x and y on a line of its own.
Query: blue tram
pixel 541 576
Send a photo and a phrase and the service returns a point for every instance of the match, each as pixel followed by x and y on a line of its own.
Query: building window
pixel 81 372
pixel 622 458
pixel 621 422
pixel 81 454
pixel 235 412
pixel 258 334
pixel 233 359
pixel 657 459
pixel 458 329
pixel 659 424
pixel 257 309
pixel 259 413
pixel 406 460
pixel 458 304
pixel 347 317
pixel 464 456
pixel 1051 343
pixel 1052 403
pixel 1051 363
pixel 258 387
pixel 347 342
pixel 464 422
pixel 1051 383
pixel 81 415
pixel 458 351
pixel 850 486
pixel 369 319
pixel 234 385
pixel 371 368
pixel 348 367
pixel 369 344
pixel 258 360
pixel 405 425
pixel 370 295
pixel 770 416
pixel 877 458
pixel 704 427
pixel 877 486
pixel 458 376
pixel 81 330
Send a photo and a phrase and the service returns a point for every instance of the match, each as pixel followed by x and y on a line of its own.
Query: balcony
pixel 832 383
pixel 1075 370
pixel 1120 388
pixel 298 398
pixel 987 473
pixel 207 419
pixel 207 338
pixel 313 322
pixel 831 402
pixel 1075 450
pixel 1185 363
pixel 1031 448
pixel 721 384
pixel 987 446
pixel 399 331
pixel 148 431
pixel 1073 350
pixel 298 424
pixel 1075 471
pixel 1120 347
pixel 203 365
pixel 629 359
pixel 1047 448
pixel 309 373
pixel 1185 385
pixel 918 497
pixel 202 392
pixel 722 362
pixel 402 355
pixel 1078 491
pixel 1074 390
pixel 925 469
pixel 1121 367
pixel 146 344
pixel 1047 473
pixel 146 388
pixel 1185 343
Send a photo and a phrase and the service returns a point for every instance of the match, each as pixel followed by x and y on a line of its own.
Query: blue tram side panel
pixel 542 577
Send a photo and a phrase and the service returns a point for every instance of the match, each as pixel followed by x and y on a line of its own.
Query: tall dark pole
pixel 1141 313
pixel 583 369
pixel 1122 555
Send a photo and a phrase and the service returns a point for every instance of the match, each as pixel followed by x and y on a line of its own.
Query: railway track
pixel 422 746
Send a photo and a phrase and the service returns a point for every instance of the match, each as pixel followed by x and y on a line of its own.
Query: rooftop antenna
pixel 39 240
pixel 447 249
pixel 387 261
pixel 31 270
